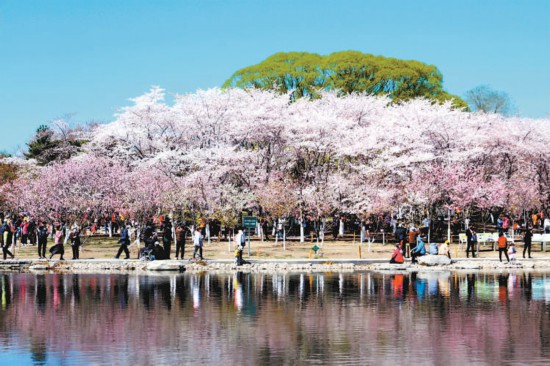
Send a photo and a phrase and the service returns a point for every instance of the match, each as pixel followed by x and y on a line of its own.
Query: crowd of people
pixel 415 246
pixel 159 233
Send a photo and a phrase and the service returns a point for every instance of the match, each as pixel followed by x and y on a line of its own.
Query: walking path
pixel 264 265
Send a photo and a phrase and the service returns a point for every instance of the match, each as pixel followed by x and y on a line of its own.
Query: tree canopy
pixel 482 98
pixel 214 153
pixel 49 145
pixel 306 74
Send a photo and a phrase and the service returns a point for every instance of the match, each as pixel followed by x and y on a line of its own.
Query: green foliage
pixel 303 74
pixel 8 173
pixel 47 147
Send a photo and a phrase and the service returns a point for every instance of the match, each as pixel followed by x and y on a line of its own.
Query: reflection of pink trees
pixel 322 317
pixel 208 151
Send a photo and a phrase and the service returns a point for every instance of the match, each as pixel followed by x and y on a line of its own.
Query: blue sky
pixel 88 57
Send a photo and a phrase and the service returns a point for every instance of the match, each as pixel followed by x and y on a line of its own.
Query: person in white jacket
pixel 197 243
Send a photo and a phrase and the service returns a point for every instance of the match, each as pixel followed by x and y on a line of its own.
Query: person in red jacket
pixel 502 244
pixel 397 255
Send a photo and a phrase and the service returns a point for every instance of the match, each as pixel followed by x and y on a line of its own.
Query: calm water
pixel 254 319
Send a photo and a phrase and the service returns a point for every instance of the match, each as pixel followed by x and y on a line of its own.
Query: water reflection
pixel 238 318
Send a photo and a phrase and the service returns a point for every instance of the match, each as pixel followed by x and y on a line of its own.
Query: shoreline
pixel 100 266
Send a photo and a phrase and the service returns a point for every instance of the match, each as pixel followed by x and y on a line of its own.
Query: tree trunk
pixel 322 230
pixel 449 226
pixel 429 226
pixel 284 237
pixel 276 231
pixel 260 230
pixel 301 226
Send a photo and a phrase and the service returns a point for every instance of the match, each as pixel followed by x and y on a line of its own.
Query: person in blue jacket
pixel 124 242
pixel 418 250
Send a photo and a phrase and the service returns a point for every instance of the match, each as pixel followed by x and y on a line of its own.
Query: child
pixel 444 249
pixel 397 255
pixel 512 253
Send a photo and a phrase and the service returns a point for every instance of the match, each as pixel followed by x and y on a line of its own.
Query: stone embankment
pixel 427 263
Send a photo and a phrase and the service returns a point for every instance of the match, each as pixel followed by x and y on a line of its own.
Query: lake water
pixel 260 319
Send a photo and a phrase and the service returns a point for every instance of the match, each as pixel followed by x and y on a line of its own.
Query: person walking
pixel 197 243
pixel 181 233
pixel 124 241
pixel 527 237
pixel 6 239
pixel 240 238
pixel 42 240
pixel 58 242
pixel 502 247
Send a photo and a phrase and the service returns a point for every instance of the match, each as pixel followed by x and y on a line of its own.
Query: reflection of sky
pixel 541 289
pixel 15 356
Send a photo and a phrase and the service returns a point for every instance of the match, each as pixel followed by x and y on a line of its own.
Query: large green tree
pixel 303 74
pixel 48 145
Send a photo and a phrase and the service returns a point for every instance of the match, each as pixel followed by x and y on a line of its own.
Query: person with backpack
pixel 241 236
pixel 7 236
pixel 42 240
pixel 124 241
pixel 197 243
pixel 400 233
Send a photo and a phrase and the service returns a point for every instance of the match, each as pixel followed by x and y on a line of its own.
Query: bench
pixel 542 239
pixel 487 239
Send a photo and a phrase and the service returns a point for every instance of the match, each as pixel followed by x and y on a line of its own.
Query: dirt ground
pixel 104 247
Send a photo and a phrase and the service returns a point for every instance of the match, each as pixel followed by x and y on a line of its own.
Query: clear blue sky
pixel 88 57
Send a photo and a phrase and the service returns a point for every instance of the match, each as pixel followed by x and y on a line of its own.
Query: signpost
pixel 249 223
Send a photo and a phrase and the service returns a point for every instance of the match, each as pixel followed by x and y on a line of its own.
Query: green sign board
pixel 250 222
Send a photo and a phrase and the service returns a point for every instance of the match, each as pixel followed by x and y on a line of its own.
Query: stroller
pixel 152 252
pixel 146 254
